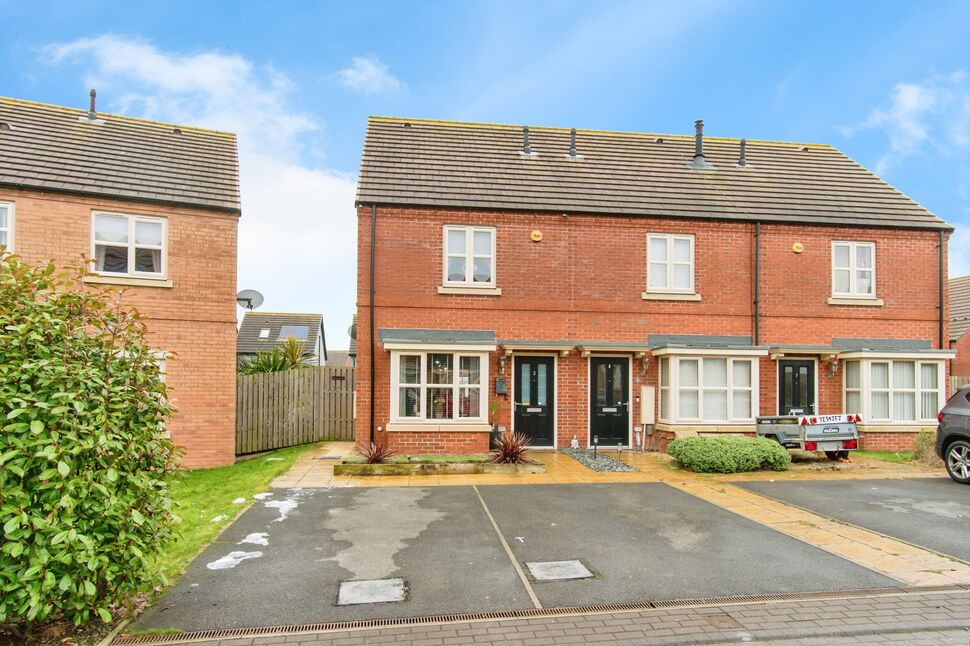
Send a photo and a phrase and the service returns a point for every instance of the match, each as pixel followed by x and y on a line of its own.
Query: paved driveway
pixel 929 512
pixel 642 541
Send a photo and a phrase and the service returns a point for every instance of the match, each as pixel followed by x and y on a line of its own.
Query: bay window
pixel 708 389
pixel 438 386
pixel 896 391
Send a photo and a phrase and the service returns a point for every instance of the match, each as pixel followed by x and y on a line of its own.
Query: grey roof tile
pixel 475 165
pixel 48 148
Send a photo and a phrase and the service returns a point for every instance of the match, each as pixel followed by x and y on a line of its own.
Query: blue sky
pixel 886 82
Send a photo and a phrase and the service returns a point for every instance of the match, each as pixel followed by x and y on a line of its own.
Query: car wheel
pixel 958 461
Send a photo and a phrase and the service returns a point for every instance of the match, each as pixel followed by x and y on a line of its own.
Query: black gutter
pixel 373 236
pixel 942 284
pixel 757 283
pixel 231 210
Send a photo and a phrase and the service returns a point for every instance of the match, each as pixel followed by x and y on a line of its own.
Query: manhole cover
pixel 723 621
pixel 378 591
pixel 558 570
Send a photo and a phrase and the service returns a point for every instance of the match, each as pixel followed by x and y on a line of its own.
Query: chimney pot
pixel 92 113
pixel 742 162
pixel 526 148
pixel 699 142
pixel 572 142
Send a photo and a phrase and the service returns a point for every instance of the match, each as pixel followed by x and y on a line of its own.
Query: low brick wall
pixel 436 443
pixel 888 441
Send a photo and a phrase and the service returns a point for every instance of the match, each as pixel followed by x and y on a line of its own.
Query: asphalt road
pixel 929 512
pixel 642 541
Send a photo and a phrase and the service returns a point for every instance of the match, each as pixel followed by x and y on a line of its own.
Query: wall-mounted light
pixel 833 367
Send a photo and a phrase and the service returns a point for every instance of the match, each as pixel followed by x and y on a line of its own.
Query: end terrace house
pixel 613 286
pixel 155 206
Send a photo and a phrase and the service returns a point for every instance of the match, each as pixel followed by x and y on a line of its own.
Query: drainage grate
pixel 203 635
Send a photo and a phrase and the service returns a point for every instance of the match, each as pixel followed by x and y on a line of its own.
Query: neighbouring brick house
pixel 592 284
pixel 960 325
pixel 156 207
pixel 262 331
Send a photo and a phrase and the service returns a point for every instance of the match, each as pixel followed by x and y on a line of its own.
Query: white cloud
pixel 297 235
pixel 931 114
pixel 367 74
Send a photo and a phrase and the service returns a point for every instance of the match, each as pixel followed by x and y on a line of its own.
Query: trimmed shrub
pixel 85 499
pixel 924 449
pixel 729 454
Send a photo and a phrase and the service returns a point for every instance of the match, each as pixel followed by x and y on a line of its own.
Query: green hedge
pixel 729 454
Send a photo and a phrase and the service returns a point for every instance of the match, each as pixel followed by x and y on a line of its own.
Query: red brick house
pixel 156 207
pixel 960 325
pixel 588 284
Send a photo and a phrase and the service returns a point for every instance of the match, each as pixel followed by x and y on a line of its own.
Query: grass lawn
pixel 900 457
pixel 208 493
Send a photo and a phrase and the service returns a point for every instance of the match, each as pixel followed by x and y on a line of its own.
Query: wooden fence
pixel 280 409
pixel 957 382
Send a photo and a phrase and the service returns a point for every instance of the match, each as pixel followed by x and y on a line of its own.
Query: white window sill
pixel 438 427
pixel 469 291
pixel 864 302
pixel 132 281
pixel 670 296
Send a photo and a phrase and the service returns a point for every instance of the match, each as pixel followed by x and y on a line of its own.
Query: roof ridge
pixel 481 124
pixel 138 120
pixel 284 314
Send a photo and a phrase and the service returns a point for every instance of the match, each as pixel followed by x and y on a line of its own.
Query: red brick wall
pixel 583 282
pixel 436 443
pixel 887 441
pixel 960 367
pixel 195 319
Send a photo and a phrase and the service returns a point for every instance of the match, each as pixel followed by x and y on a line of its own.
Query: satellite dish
pixel 249 299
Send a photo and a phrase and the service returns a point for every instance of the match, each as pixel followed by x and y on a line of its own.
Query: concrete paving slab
pixel 558 570
pixel 354 593
pixel 649 541
pixel 930 512
pixel 438 539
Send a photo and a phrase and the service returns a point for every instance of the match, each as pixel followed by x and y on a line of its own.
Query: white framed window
pixel 129 245
pixel 894 391
pixel 469 256
pixel 670 263
pixel 6 225
pixel 854 269
pixel 439 387
pixel 708 389
pixel 264 333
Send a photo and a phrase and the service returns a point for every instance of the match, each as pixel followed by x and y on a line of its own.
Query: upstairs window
pixel 854 269
pixel 670 263
pixel 469 256
pixel 6 225
pixel 129 244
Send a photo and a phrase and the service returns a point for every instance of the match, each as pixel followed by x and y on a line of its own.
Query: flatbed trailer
pixel 836 435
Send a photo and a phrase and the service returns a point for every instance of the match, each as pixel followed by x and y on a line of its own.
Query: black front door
pixel 534 406
pixel 610 400
pixel 796 386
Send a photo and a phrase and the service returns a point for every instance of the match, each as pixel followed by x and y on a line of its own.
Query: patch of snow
pixel 238 501
pixel 285 507
pixel 257 538
pixel 232 559
pixel 219 518
pixel 263 496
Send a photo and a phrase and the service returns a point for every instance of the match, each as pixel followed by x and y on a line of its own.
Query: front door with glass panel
pixel 534 411
pixel 796 386
pixel 610 400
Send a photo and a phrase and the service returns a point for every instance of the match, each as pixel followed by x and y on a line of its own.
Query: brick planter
pixel 434 469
